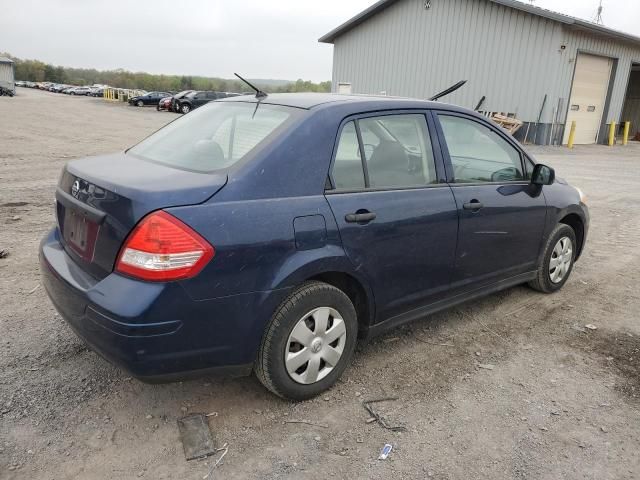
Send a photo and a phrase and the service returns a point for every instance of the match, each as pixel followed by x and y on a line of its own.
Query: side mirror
pixel 542 175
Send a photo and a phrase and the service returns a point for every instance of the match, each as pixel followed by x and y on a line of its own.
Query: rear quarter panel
pixel 255 245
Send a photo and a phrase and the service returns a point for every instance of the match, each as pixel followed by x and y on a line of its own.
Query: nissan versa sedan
pixel 269 234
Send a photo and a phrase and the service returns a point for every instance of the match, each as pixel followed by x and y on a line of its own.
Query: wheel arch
pixel 334 269
pixel 357 293
pixel 574 221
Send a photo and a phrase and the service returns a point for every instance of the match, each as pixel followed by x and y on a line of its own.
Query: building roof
pixel 5 60
pixel 540 12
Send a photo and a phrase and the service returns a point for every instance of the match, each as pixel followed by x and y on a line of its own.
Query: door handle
pixel 364 217
pixel 473 205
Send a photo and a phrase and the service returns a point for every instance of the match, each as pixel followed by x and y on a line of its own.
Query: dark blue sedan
pixel 269 234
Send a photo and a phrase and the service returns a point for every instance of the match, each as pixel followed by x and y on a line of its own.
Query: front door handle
pixel 362 217
pixel 473 205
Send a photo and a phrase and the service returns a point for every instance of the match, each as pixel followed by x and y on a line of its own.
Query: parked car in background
pixel 150 98
pixel 270 233
pixel 78 91
pixel 97 92
pixel 20 83
pixel 196 99
pixel 164 104
pixel 175 105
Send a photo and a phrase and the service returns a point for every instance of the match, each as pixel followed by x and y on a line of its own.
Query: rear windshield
pixel 214 136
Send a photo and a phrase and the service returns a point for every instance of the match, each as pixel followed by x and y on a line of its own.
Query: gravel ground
pixel 511 386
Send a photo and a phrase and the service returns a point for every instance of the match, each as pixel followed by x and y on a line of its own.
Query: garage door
pixel 588 96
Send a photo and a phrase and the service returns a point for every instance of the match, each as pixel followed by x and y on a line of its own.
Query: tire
pixel 185 108
pixel 295 311
pixel 552 277
pixel 140 103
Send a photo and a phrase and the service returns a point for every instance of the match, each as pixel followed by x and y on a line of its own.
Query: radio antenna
pixel 598 18
pixel 259 93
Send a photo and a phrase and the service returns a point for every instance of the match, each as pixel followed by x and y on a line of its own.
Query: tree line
pixel 37 71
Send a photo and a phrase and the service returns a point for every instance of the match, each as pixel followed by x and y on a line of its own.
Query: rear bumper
pixel 155 330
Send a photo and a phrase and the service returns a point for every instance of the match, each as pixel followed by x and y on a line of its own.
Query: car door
pixel 199 99
pixel 396 216
pixel 502 216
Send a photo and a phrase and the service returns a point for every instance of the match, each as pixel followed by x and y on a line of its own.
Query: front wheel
pixel 140 103
pixel 185 108
pixel 557 260
pixel 308 343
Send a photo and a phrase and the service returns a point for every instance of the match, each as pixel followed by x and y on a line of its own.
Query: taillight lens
pixel 162 248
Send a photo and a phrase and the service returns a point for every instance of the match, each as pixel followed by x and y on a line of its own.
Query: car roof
pixel 310 101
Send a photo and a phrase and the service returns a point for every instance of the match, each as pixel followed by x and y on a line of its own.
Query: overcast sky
pixel 258 38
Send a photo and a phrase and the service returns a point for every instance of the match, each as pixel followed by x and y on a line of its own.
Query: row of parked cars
pixel 92 91
pixel 181 102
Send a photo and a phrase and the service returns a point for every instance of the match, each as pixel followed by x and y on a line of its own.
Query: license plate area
pixel 80 233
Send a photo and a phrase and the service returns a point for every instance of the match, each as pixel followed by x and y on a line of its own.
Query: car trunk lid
pixel 100 199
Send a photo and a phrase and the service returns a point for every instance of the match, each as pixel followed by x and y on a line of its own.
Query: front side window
pixel 478 154
pixel 215 136
pixel 397 151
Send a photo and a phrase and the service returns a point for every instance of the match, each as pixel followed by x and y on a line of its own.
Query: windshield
pixel 215 136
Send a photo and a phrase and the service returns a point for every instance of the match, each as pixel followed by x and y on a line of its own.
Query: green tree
pixel 37 71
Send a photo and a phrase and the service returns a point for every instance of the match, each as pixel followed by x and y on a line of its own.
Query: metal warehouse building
pixel 7 74
pixel 525 61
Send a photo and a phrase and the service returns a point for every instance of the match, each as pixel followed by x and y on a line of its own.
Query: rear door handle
pixel 473 205
pixel 365 217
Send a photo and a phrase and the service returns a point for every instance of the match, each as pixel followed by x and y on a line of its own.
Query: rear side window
pixel 397 151
pixel 478 154
pixel 347 169
pixel 215 136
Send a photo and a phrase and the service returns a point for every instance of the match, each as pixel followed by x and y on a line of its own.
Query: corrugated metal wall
pixel 6 75
pixel 511 57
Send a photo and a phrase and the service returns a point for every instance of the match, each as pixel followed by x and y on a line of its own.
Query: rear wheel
pixel 308 343
pixel 557 260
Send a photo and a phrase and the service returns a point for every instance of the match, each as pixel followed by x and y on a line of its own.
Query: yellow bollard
pixel 572 134
pixel 612 134
pixel 625 133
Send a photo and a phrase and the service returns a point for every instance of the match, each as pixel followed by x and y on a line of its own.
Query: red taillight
pixel 162 248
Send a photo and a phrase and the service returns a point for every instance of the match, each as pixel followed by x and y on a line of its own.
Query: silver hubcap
pixel 315 345
pixel 561 259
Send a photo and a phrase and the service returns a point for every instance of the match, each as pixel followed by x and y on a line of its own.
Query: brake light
pixel 162 248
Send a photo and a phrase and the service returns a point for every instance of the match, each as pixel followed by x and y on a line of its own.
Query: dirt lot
pixel 512 386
